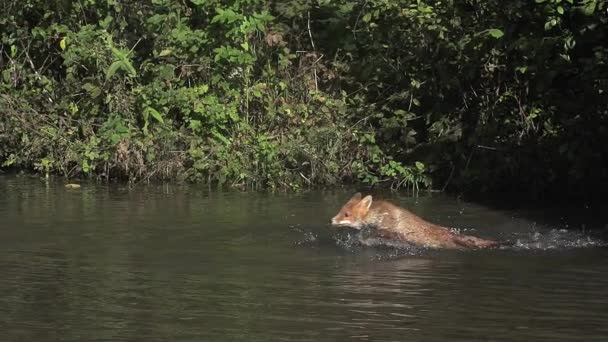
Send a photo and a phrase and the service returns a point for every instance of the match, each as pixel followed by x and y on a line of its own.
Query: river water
pixel 183 263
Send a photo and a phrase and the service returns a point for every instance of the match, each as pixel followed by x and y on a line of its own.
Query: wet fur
pixel 398 224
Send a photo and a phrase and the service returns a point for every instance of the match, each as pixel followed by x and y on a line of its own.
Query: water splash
pixel 556 239
pixel 309 238
pixel 553 239
pixel 354 240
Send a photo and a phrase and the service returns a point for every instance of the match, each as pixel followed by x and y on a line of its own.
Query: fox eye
pixel 346 215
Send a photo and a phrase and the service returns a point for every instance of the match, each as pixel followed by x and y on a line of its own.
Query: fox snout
pixel 338 221
pixel 335 221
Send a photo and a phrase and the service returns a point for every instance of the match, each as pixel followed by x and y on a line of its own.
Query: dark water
pixel 161 263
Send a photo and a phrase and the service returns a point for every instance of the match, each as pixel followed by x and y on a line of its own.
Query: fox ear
pixel 366 202
pixel 356 197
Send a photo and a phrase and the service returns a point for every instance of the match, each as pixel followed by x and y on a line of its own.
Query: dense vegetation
pixel 466 95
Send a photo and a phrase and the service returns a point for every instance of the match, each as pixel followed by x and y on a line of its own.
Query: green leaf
pixel 10 161
pixel 165 52
pixel 221 137
pixel 114 138
pixel 560 10
pixel 62 44
pixel 93 91
pixel 154 113
pixel 125 63
pixel 419 165
pixel 216 18
pixel 105 23
pixel 13 51
pixel 569 43
pixel 129 67
pixel 495 33
pixel 202 89
pixel 195 125
pixel 521 69
pixel 118 54
pixel 113 69
pixel 589 8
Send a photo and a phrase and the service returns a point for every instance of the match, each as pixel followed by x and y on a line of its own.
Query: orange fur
pixel 396 223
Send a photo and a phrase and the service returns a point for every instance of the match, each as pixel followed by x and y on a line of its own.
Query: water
pixel 160 263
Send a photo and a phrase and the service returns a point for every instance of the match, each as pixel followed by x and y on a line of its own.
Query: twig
pixel 466 166
pixel 312 42
pixel 449 178
pixel 487 147
pixel 84 16
pixel 357 123
pixel 31 63
pixel 474 92
pixel 306 179
pixel 357 21
pixel 134 46
pixel 310 32
pixel 411 99
pixel 464 99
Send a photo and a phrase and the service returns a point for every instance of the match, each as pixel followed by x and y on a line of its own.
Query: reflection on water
pixel 186 264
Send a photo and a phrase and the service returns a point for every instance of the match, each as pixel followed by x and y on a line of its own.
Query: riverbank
pixel 478 99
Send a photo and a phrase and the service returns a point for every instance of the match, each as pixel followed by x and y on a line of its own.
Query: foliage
pixel 462 95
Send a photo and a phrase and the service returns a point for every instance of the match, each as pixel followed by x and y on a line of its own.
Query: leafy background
pixel 474 96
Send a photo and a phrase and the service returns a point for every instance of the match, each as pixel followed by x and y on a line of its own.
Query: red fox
pixel 395 223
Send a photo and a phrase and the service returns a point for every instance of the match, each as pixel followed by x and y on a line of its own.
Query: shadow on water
pixel 165 263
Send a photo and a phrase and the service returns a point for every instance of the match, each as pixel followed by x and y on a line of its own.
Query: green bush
pixel 291 94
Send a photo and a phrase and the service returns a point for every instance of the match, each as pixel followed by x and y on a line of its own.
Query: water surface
pixel 183 263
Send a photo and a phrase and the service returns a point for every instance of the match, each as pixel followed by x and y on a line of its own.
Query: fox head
pixel 353 212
